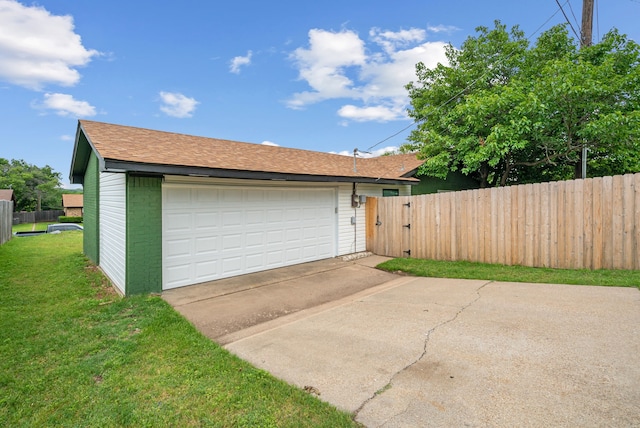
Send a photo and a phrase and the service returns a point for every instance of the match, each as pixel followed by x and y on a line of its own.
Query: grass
pixel 471 270
pixel 28 227
pixel 73 353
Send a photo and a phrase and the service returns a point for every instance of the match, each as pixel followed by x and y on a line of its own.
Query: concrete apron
pixel 223 309
pixel 446 352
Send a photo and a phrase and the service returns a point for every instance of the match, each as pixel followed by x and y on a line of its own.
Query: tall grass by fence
pixel 592 223
pixel 36 216
pixel 6 219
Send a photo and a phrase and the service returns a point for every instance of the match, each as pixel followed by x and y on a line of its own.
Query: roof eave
pixel 82 150
pixel 111 165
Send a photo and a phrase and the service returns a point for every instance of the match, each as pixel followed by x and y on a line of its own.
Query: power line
pixel 567 18
pixel 467 87
pixel 575 20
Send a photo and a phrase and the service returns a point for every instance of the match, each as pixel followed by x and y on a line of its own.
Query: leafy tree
pixel 35 188
pixel 505 112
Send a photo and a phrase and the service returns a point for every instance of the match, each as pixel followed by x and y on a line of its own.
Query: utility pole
pixel 586 35
pixel 587 23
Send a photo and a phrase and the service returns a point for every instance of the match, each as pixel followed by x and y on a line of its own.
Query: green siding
pixel 454 181
pixel 91 190
pixel 144 235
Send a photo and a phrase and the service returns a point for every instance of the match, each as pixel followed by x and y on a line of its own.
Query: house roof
pixel 72 200
pixel 7 195
pixel 124 148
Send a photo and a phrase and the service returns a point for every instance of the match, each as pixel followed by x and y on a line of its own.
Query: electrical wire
pixel 567 19
pixel 469 86
pixel 575 20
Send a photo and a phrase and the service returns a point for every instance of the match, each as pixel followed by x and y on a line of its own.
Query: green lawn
pixel 470 270
pixel 27 227
pixel 73 353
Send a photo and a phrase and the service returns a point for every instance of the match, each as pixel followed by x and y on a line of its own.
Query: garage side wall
pixel 112 227
pixel 144 235
pixel 91 189
pixel 352 238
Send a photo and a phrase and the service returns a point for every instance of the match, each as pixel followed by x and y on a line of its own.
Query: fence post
pixel 6 220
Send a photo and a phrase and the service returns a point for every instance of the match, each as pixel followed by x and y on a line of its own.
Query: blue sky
pixel 326 76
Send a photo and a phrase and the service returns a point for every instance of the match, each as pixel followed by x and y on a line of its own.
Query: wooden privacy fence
pixel 6 220
pixel 36 216
pixel 592 223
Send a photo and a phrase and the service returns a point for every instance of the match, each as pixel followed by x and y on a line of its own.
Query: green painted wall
pixel 144 235
pixel 91 234
pixel 454 181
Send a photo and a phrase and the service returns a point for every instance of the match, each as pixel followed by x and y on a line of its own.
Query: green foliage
pixel 494 272
pixel 504 112
pixel 74 353
pixel 35 188
pixel 69 219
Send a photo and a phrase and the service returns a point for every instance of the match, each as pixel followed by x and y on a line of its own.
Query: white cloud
pixel 66 105
pixel 340 65
pixel 37 47
pixel 66 137
pixel 377 113
pixel 270 143
pixel 442 28
pixel 391 41
pixel 324 65
pixel 240 61
pixel 374 154
pixel 177 105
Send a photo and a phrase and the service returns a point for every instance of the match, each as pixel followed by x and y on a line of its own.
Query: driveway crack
pixel 421 356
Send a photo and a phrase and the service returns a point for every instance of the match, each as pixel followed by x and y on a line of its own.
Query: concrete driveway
pixel 404 351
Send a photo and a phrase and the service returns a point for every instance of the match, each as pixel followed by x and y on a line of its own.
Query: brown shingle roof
pixel 7 195
pixel 72 200
pixel 145 146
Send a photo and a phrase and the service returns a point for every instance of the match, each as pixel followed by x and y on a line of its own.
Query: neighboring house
pixel 455 181
pixel 8 195
pixel 165 210
pixel 72 204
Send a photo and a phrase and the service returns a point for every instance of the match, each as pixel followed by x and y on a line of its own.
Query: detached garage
pixel 165 210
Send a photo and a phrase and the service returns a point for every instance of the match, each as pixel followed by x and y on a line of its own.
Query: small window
pixel 390 192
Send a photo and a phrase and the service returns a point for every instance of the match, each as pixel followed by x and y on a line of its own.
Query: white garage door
pixel 212 232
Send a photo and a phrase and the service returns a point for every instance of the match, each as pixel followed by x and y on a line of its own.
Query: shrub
pixel 69 219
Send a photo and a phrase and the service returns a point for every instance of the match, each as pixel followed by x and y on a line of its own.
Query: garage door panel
pixel 177 199
pixel 293 214
pixel 202 196
pixel 275 236
pixel 274 216
pixel 293 255
pixel 178 273
pixel 178 222
pixel 207 220
pixel 178 248
pixel 293 235
pixel 254 239
pixel 207 245
pixel 254 261
pixel 208 268
pixel 231 195
pixel 232 265
pixel 254 217
pixel 232 218
pixel 213 232
pixel 232 242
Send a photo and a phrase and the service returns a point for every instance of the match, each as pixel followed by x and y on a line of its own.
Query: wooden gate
pixel 390 233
